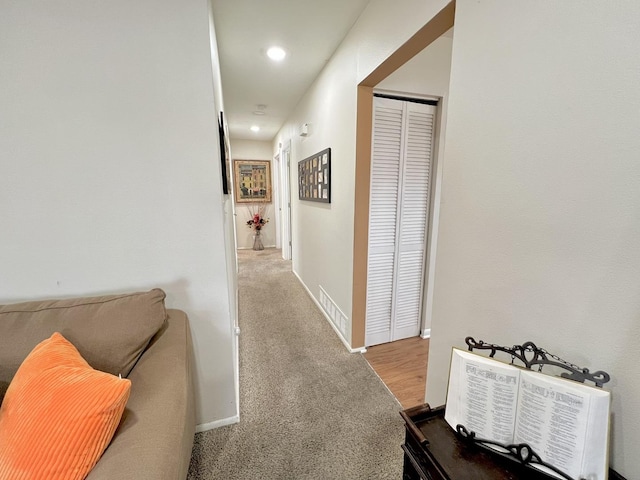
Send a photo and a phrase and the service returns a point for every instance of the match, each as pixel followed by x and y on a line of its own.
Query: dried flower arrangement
pixel 258 219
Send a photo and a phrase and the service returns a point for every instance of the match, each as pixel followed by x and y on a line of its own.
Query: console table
pixel 433 451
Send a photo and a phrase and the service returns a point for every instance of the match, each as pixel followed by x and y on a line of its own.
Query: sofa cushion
pixel 58 415
pixel 110 332
pixel 156 434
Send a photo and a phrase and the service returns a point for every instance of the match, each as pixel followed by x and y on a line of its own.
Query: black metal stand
pixel 518 451
pixel 529 354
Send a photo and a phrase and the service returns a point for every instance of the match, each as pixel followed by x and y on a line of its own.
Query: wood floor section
pixel 402 366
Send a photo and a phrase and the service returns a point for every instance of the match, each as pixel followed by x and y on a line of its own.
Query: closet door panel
pixel 414 215
pixel 409 294
pixel 383 217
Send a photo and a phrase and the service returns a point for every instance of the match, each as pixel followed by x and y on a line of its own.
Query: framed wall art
pixel 314 177
pixel 252 181
pixel 224 157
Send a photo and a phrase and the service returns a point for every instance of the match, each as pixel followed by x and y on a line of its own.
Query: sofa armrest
pixel 155 437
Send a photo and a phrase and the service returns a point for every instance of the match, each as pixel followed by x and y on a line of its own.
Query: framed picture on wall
pixel 224 157
pixel 314 177
pixel 252 181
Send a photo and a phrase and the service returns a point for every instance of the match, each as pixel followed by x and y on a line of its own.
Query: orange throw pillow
pixel 58 414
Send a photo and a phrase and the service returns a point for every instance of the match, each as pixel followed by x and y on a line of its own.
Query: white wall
pixel 254 150
pixel 425 74
pixel 109 170
pixel 540 215
pixel 230 245
pixel 322 234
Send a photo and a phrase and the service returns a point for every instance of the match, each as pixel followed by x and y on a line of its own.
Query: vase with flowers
pixel 256 223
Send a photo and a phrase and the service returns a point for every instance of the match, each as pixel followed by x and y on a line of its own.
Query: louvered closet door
pixel 398 211
pixel 383 217
pixel 414 216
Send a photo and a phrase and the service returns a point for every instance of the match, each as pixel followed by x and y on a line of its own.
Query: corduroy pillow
pixel 58 414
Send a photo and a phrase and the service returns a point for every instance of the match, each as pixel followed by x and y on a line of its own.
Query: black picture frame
pixel 224 156
pixel 314 177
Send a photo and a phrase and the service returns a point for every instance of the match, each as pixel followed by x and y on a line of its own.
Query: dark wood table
pixel 433 451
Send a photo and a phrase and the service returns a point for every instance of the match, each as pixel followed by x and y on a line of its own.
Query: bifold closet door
pixel 398 218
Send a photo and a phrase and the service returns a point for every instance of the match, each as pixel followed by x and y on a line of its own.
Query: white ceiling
pixel 309 30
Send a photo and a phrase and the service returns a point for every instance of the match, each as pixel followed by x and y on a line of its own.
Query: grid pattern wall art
pixel 314 177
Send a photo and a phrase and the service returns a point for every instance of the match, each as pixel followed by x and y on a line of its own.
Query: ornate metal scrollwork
pixel 519 451
pixel 529 354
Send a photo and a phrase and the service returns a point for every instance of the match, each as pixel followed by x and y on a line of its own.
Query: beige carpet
pixel 308 408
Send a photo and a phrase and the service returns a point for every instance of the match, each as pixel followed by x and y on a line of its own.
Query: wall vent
pixel 339 319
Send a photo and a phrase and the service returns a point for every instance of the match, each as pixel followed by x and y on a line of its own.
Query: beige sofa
pixel 132 335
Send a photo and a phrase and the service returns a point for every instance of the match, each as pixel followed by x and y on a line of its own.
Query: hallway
pixel 309 409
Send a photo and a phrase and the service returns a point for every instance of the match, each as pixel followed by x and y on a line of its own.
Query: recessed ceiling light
pixel 276 53
pixel 255 128
pixel 259 112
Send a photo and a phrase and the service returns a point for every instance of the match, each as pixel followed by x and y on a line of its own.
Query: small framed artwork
pixel 314 177
pixel 252 181
pixel 224 157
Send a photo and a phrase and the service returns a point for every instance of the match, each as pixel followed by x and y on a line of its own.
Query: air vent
pixel 339 319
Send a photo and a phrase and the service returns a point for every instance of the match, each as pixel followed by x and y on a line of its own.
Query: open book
pixel 565 422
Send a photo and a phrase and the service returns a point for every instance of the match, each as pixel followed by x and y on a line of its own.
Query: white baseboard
pixel 203 427
pixel 335 329
pixel 426 333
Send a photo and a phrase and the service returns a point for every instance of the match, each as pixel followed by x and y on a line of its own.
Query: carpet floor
pixel 308 408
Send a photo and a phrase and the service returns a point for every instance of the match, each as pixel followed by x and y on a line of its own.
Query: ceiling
pixel 308 30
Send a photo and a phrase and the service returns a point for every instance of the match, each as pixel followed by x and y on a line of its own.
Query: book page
pixel 595 463
pixel 553 418
pixel 482 396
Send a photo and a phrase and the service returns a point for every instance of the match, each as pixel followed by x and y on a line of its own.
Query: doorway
pixel 440 26
pixel 285 200
pixel 436 28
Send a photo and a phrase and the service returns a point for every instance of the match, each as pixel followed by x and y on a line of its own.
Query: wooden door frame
pixel 438 25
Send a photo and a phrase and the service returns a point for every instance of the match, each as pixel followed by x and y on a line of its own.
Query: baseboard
pixel 335 329
pixel 203 427
pixel 426 333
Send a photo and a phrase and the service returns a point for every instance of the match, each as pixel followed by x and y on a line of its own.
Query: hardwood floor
pixel 402 366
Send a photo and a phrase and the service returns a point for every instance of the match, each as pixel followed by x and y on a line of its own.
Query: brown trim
pixel 438 25
pixel 364 129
